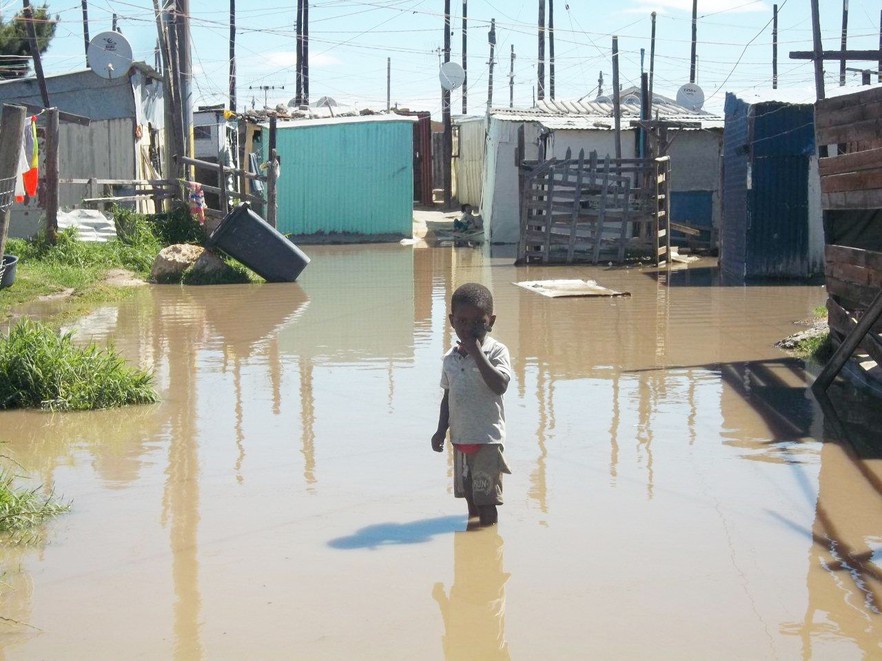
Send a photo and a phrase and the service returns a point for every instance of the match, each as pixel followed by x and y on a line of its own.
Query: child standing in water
pixel 474 377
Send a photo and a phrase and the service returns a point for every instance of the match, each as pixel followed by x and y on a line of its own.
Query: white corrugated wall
pixel 469 165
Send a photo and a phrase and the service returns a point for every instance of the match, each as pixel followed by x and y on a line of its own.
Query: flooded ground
pixel 676 493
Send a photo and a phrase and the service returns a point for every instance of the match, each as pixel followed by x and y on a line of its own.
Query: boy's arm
pixel 495 379
pixel 443 422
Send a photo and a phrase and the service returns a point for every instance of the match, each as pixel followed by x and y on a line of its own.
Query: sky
pixel 351 42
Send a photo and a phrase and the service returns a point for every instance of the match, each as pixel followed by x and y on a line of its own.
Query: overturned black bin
pixel 248 238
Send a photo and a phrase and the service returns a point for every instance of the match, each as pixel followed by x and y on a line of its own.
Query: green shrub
pixel 22 509
pixel 40 368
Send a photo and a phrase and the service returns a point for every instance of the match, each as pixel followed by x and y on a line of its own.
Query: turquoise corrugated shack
pixel 346 176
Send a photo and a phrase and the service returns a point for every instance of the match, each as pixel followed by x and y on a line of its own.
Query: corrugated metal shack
pixel 555 126
pixel 772 223
pixel 346 176
pixel 125 139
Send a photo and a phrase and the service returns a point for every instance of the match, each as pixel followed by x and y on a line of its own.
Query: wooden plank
pixel 836 103
pixel 854 112
pixel 852 181
pixel 845 200
pixel 852 295
pixel 869 258
pixel 853 162
pixel 856 132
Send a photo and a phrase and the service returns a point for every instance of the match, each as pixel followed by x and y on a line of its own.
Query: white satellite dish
pixel 451 75
pixel 690 96
pixel 109 55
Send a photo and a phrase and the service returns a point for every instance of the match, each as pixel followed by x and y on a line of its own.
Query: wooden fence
pixel 591 209
pixel 849 134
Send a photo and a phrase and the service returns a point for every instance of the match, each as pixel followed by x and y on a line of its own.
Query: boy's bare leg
pixel 474 510
pixel 488 514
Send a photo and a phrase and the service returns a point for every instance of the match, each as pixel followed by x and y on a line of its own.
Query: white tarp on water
pixel 559 288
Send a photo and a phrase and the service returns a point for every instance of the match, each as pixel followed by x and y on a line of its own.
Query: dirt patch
pixel 123 278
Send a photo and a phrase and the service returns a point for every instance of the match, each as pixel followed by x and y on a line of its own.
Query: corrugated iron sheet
pixel 469 164
pixel 767 151
pixel 346 176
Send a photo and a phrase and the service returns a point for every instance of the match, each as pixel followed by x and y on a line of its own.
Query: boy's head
pixel 471 311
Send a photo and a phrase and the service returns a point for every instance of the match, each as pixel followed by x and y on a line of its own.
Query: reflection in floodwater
pixel 473 609
pixel 668 463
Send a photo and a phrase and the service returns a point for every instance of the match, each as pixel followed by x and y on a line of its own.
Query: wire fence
pixel 7 193
pixel 7 197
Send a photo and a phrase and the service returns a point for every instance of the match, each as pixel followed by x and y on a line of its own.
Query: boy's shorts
pixel 479 474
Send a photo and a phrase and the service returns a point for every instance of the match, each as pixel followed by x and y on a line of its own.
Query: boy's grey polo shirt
pixel 477 414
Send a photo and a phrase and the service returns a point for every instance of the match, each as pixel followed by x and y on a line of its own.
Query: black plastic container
pixel 7 272
pixel 248 238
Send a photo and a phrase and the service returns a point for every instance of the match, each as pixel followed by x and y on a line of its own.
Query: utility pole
pixel 651 56
pixel 388 83
pixel 233 55
pixel 511 78
pixel 616 107
pixel 491 37
pixel 774 47
pixel 113 25
pixel 298 29
pixel 305 36
pixel 600 84
pixel 843 46
pixel 265 89
pixel 551 47
pixel 694 39
pixel 465 48
pixel 818 51
pixel 185 73
pixel 445 113
pixel 86 29
pixel 35 51
pixel 541 59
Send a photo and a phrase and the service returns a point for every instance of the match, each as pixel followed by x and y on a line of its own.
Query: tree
pixel 15 49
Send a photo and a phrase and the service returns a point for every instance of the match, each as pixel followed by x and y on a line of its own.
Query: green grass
pixel 41 368
pixel 21 510
pixel 817 347
pixel 46 269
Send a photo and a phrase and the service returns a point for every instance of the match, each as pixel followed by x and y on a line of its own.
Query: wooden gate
pixel 589 210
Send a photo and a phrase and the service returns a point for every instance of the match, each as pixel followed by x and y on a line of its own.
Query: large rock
pixel 172 261
pixel 200 264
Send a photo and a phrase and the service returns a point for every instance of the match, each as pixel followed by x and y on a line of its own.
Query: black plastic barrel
pixel 7 271
pixel 248 238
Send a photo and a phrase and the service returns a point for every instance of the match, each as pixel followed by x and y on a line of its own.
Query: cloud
pixel 289 59
pixel 706 7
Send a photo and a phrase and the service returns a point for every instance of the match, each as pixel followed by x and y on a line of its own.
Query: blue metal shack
pixel 772 221
pixel 346 175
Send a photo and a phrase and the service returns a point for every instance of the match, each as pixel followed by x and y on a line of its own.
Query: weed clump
pixel 40 368
pixel 23 509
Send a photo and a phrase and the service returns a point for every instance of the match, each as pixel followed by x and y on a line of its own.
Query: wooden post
pixel 222 186
pixel 774 47
pixel 843 42
pixel 271 205
pixel 11 129
pixel 465 61
pixel 651 58
pixel 540 87
pixel 85 30
pixel 511 78
pixel 35 52
pixel 551 49
pixel 818 51
pixel 51 165
pixel 233 55
pixel 615 96
pixel 491 37
pixel 694 40
pixel 849 344
pixel 447 152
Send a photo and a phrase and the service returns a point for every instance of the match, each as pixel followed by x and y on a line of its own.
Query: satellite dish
pixel 690 96
pixel 451 75
pixel 109 55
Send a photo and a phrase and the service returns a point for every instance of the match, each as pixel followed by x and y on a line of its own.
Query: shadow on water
pixel 392 534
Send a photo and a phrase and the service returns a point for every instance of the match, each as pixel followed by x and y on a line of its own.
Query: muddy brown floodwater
pixel 676 492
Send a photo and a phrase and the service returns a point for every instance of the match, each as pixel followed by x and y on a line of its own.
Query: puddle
pixel 675 490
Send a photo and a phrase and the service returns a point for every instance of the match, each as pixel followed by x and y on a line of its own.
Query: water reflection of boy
pixel 474 377
pixel 474 611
